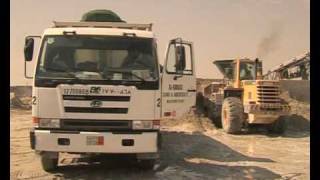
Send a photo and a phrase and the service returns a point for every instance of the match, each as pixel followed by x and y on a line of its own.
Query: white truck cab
pixel 98 88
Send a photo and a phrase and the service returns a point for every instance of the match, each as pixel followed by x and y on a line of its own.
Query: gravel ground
pixel 192 148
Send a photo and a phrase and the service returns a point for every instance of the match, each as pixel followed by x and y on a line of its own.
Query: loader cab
pixel 237 70
pixel 248 69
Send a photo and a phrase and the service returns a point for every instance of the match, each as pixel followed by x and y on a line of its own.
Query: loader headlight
pixel 49 123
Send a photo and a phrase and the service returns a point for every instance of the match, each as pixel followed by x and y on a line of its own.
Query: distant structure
pixel 297 68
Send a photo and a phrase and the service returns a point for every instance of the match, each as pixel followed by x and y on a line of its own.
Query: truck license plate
pixel 95 140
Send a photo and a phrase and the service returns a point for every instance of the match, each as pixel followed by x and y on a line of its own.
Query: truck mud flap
pixel 159 140
pixel 32 139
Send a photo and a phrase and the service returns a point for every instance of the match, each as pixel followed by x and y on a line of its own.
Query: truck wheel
pixel 147 164
pixel 232 115
pixel 48 162
pixel 279 126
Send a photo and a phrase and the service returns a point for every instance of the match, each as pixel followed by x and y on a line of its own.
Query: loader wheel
pixel 218 121
pixel 213 115
pixel 279 126
pixel 48 163
pixel 200 103
pixel 232 115
pixel 210 110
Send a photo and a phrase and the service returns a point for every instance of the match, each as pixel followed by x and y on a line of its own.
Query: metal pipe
pixel 256 68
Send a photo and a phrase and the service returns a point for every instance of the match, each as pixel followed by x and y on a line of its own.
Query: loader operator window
pixel 98 58
pixel 247 71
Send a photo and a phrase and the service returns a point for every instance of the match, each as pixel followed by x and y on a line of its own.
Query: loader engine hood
pixel 262 91
pixel 225 67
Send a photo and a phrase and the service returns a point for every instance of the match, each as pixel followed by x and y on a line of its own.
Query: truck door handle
pixel 192 90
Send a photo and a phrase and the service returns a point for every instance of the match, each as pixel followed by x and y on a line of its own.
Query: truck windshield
pixel 98 58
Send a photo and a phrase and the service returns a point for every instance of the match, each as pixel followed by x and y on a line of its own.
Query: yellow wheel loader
pixel 248 99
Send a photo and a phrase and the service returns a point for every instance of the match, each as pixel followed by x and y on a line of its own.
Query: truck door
pixel 178 80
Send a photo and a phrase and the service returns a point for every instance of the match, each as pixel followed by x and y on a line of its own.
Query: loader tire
pixel 210 110
pixel 200 104
pixel 279 126
pixel 232 115
pixel 49 164
pixel 217 121
pixel 216 117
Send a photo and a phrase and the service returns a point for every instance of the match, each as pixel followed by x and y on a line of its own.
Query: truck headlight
pixel 146 124
pixel 49 123
pixel 142 125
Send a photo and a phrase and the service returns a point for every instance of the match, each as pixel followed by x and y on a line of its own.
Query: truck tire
pixel 232 115
pixel 147 164
pixel 279 126
pixel 48 163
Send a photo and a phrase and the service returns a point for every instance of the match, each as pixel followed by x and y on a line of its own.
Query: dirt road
pixel 192 149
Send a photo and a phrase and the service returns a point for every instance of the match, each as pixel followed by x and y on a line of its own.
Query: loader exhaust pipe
pixel 256 68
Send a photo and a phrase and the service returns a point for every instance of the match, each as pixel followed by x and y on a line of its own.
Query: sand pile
pixel 299 119
pixel 188 123
pixel 297 107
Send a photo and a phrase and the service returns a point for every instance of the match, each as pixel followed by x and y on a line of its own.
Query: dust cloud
pixel 270 42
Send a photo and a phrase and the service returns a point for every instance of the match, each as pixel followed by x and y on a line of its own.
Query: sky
pixel 272 30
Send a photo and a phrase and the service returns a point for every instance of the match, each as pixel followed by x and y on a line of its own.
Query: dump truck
pixel 98 88
pixel 244 98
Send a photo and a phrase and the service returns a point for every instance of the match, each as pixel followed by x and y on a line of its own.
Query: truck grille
pixel 268 94
pixel 96 110
pixel 96 104
pixel 91 124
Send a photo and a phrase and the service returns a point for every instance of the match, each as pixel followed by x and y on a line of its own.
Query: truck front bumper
pixel 267 109
pixel 79 142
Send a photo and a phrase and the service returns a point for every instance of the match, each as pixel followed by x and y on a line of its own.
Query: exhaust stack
pixel 256 68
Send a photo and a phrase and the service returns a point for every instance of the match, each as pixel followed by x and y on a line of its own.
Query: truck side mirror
pixel 181 58
pixel 28 49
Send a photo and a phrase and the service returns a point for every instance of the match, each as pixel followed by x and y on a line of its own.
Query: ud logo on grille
pixel 95 90
pixel 96 103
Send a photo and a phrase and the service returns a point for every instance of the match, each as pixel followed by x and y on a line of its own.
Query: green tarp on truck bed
pixel 101 15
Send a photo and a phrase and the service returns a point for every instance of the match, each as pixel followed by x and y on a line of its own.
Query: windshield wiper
pixel 62 71
pixel 128 72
